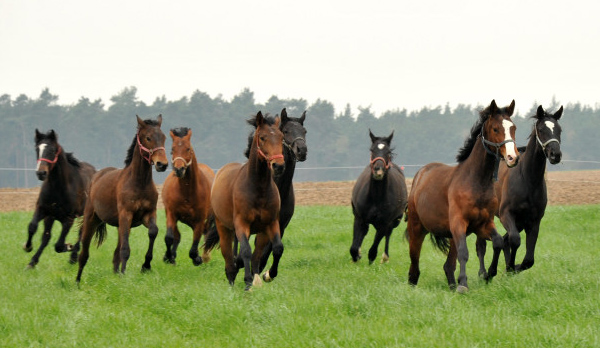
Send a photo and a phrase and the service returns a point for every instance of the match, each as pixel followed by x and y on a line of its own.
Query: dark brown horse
pixel 452 201
pixel 186 196
pixel 378 198
pixel 65 187
pixel 522 191
pixel 126 197
pixel 245 201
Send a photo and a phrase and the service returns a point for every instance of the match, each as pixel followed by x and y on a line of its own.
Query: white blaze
pixel 41 149
pixel 550 125
pixel 380 146
pixel 510 150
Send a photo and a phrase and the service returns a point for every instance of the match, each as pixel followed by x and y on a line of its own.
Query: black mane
pixel 72 160
pixel 129 157
pixel 270 120
pixel 180 132
pixel 465 151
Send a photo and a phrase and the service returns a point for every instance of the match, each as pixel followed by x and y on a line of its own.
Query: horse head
pixel 151 142
pixel 381 155
pixel 294 134
pixel 547 133
pixel 181 151
pixel 47 150
pixel 269 142
pixel 498 132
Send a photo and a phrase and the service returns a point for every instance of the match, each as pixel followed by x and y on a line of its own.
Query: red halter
pixel 267 158
pixel 55 157
pixel 149 151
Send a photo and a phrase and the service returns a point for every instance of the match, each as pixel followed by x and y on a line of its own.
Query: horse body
pixel 453 201
pixel 245 201
pixel 378 198
pixel 186 196
pixel 522 191
pixel 126 197
pixel 64 191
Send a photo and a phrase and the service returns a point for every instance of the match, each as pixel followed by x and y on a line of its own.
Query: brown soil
pixel 564 188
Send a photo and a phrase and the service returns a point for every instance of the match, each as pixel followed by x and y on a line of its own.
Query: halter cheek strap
pixel 495 154
pixel 55 157
pixel 148 151
pixel 551 140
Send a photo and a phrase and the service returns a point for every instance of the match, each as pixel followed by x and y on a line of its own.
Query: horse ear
pixel 388 140
pixel 511 108
pixel 540 112
pixel 373 138
pixel 159 119
pixel 284 116
pixel 558 114
pixel 172 134
pixel 189 133
pixel 277 122
pixel 38 135
pixel 259 119
pixel 493 106
pixel 52 135
pixel 140 122
pixel 302 118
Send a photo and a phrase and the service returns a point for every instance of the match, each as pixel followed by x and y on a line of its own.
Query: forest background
pixel 338 141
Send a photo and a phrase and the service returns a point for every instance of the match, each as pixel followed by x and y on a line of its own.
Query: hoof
pixel 73 260
pixel 205 257
pixel 30 266
pixel 257 280
pixel 68 247
pixel 483 275
pixel 385 258
pixel 267 277
pixel 169 260
pixel 146 269
pixel 461 289
pixel 27 248
pixel 197 261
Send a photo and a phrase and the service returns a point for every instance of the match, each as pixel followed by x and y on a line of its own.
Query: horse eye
pixel 148 138
pixel 496 130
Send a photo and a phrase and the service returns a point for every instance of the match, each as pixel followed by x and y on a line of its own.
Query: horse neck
pixel 284 181
pixel 533 161
pixel 192 173
pixel 59 174
pixel 140 169
pixel 258 170
pixel 480 165
pixel 379 188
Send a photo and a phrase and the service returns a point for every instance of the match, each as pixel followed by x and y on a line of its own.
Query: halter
pixel 289 146
pixel 551 140
pixel 267 158
pixel 51 161
pixel 149 151
pixel 187 164
pixel 495 154
pixel 387 164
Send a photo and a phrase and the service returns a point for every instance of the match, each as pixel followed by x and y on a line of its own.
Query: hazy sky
pixel 383 54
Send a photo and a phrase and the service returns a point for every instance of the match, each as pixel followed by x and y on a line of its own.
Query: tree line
pixel 338 142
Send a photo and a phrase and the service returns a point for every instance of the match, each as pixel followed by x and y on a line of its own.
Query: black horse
pixel 522 192
pixel 379 198
pixel 65 187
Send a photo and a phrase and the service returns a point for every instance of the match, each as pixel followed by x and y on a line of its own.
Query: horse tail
pixel 100 233
pixel 211 236
pixel 441 243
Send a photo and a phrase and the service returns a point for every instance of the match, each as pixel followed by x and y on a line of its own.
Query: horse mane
pixel 270 120
pixel 469 143
pixel 180 131
pixel 129 157
pixel 72 160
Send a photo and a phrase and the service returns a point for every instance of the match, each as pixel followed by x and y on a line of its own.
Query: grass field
pixel 320 298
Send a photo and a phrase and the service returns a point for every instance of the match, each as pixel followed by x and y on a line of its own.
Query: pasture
pixel 320 298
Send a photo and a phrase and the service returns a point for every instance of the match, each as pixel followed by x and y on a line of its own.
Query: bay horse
pixel 126 197
pixel 294 150
pixel 378 198
pixel 245 201
pixel 522 191
pixel 65 187
pixel 452 201
pixel 186 196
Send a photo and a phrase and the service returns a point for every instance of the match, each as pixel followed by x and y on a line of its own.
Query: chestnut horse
pixel 522 191
pixel 126 197
pixel 378 198
pixel 245 201
pixel 186 196
pixel 65 187
pixel 453 201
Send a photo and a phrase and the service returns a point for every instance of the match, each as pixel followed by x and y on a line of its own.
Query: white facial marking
pixel 510 148
pixel 381 146
pixel 550 125
pixel 41 149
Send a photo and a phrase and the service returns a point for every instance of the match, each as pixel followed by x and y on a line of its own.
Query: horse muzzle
pixel 554 156
pixel 179 172
pixel 277 168
pixel 41 174
pixel 161 166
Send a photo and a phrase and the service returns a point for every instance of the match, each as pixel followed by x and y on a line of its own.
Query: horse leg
pixel 61 246
pixel 32 229
pixel 246 255
pixel 360 231
pixel 170 237
pixel 226 237
pixel 90 223
pixel 513 240
pixel 75 250
pixel 150 223
pixel 198 231
pixel 48 222
pixel 498 245
pixel 414 231
pixel 386 255
pixel 379 234
pixel 458 228
pixel 450 265
pixel 275 241
pixel 481 246
pixel 265 256
pixel 532 234
pixel 123 250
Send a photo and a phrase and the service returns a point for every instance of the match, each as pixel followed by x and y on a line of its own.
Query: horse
pixel 452 201
pixel 378 198
pixel 65 187
pixel 294 150
pixel 522 191
pixel 245 201
pixel 127 197
pixel 186 196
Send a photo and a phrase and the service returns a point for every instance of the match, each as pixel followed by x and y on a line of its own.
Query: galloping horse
pixel 186 196
pixel 294 149
pixel 65 187
pixel 378 198
pixel 522 191
pixel 126 197
pixel 453 201
pixel 245 201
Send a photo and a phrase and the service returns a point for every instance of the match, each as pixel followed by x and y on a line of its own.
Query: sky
pixel 385 55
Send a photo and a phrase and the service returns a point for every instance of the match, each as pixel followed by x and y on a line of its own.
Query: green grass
pixel 319 299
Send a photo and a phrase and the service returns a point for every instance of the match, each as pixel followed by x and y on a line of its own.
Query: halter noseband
pixel 289 145
pixel 386 163
pixel 55 157
pixel 551 140
pixel 267 158
pixel 187 164
pixel 149 151
pixel 495 154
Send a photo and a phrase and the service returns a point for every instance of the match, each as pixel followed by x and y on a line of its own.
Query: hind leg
pixel 90 223
pixel 75 250
pixel 450 265
pixel 150 223
pixel 48 222
pixel 226 237
pixel 360 231
pixel 480 246
pixel 415 234
pixel 275 241
pixel 198 231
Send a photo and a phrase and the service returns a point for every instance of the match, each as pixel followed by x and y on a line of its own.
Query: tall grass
pixel 319 299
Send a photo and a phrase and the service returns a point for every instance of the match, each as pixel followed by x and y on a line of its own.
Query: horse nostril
pixel 161 167
pixel 278 168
